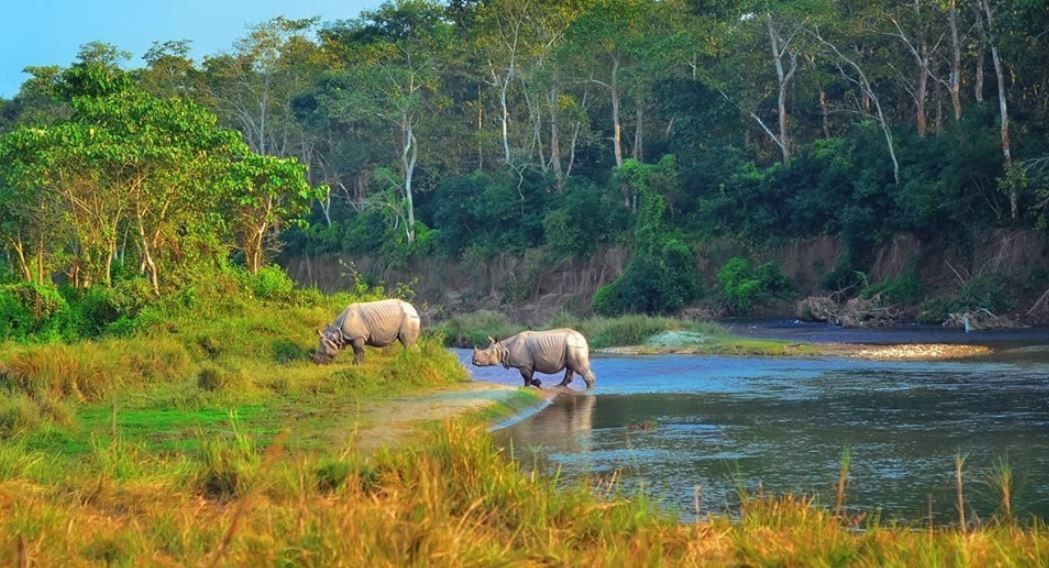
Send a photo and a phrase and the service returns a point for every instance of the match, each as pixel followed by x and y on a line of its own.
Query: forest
pixel 470 128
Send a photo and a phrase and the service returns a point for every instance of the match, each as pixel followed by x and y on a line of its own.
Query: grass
pixel 638 334
pixel 214 440
pixel 453 499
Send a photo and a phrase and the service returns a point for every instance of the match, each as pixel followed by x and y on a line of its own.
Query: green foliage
pixel 473 329
pixel 271 283
pixel 631 330
pixel 661 275
pixel 987 291
pixel 904 290
pixel 29 311
pixel 744 286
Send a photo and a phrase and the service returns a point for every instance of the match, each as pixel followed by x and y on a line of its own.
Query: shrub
pixel 985 291
pixel 661 276
pixel 286 351
pixel 30 311
pixel 902 290
pixel 212 379
pixel 744 286
pixel 474 329
pixel 271 283
pixel 92 311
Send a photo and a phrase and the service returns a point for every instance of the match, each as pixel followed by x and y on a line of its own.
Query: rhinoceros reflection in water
pixel 547 352
pixel 567 423
pixel 368 323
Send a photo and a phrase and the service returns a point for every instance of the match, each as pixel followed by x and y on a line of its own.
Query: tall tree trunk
pixel 555 137
pixel 981 53
pixel 40 260
pixel 147 255
pixel 638 151
pixel 617 129
pixel 871 97
pixel 824 114
pixel 1003 106
pixel 783 80
pixel 956 62
pixel 408 158
pixel 938 96
pixel 480 130
pixel 575 132
pixel 23 264
pixel 505 116
pixel 921 96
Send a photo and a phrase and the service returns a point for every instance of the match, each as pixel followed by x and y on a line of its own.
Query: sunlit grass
pixel 452 499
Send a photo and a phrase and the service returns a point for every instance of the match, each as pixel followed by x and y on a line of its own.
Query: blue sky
pixel 50 32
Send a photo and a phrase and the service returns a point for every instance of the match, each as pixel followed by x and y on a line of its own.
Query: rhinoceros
pixel 368 323
pixel 544 351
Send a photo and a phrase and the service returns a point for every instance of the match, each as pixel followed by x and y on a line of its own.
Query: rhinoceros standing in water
pixel 369 323
pixel 544 351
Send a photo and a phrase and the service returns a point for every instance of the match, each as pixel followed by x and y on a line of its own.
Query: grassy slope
pixel 114 454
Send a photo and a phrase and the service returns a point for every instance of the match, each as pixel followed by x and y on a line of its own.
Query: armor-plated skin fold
pixel 547 352
pixel 368 323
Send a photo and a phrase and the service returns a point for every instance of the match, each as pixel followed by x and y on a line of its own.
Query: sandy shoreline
pixel 873 352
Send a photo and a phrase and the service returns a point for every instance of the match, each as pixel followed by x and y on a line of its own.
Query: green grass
pixel 629 333
pixel 214 440
pixel 473 329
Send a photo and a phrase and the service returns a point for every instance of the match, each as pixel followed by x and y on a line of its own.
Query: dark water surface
pixel 781 424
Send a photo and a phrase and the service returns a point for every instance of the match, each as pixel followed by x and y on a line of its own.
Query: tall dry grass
pixel 453 500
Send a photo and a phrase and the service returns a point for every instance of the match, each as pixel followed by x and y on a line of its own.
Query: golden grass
pixel 452 500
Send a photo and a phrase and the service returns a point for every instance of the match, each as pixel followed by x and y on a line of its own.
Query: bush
pixel 985 291
pixel 92 311
pixel 658 281
pixel 271 283
pixel 905 290
pixel 474 329
pixel 29 311
pixel 743 287
pixel 661 276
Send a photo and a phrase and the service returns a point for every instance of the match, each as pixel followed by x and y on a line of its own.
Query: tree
pixel 396 54
pixel 129 163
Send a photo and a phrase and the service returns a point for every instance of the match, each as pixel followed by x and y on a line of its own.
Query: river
pixel 669 423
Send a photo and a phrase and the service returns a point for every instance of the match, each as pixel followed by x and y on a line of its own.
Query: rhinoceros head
pixel 330 341
pixel 488 356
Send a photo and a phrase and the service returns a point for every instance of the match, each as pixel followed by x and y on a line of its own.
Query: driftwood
pixel 980 319
pixel 857 312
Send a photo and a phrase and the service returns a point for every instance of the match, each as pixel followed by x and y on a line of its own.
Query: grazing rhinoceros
pixel 544 351
pixel 369 323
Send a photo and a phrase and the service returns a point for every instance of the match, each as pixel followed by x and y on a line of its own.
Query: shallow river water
pixel 669 423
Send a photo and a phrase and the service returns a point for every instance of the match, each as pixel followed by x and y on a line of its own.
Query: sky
pixel 50 32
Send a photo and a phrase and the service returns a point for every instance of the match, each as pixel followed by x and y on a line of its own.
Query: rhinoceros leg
pixel 567 379
pixel 589 377
pixel 526 374
pixel 358 350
